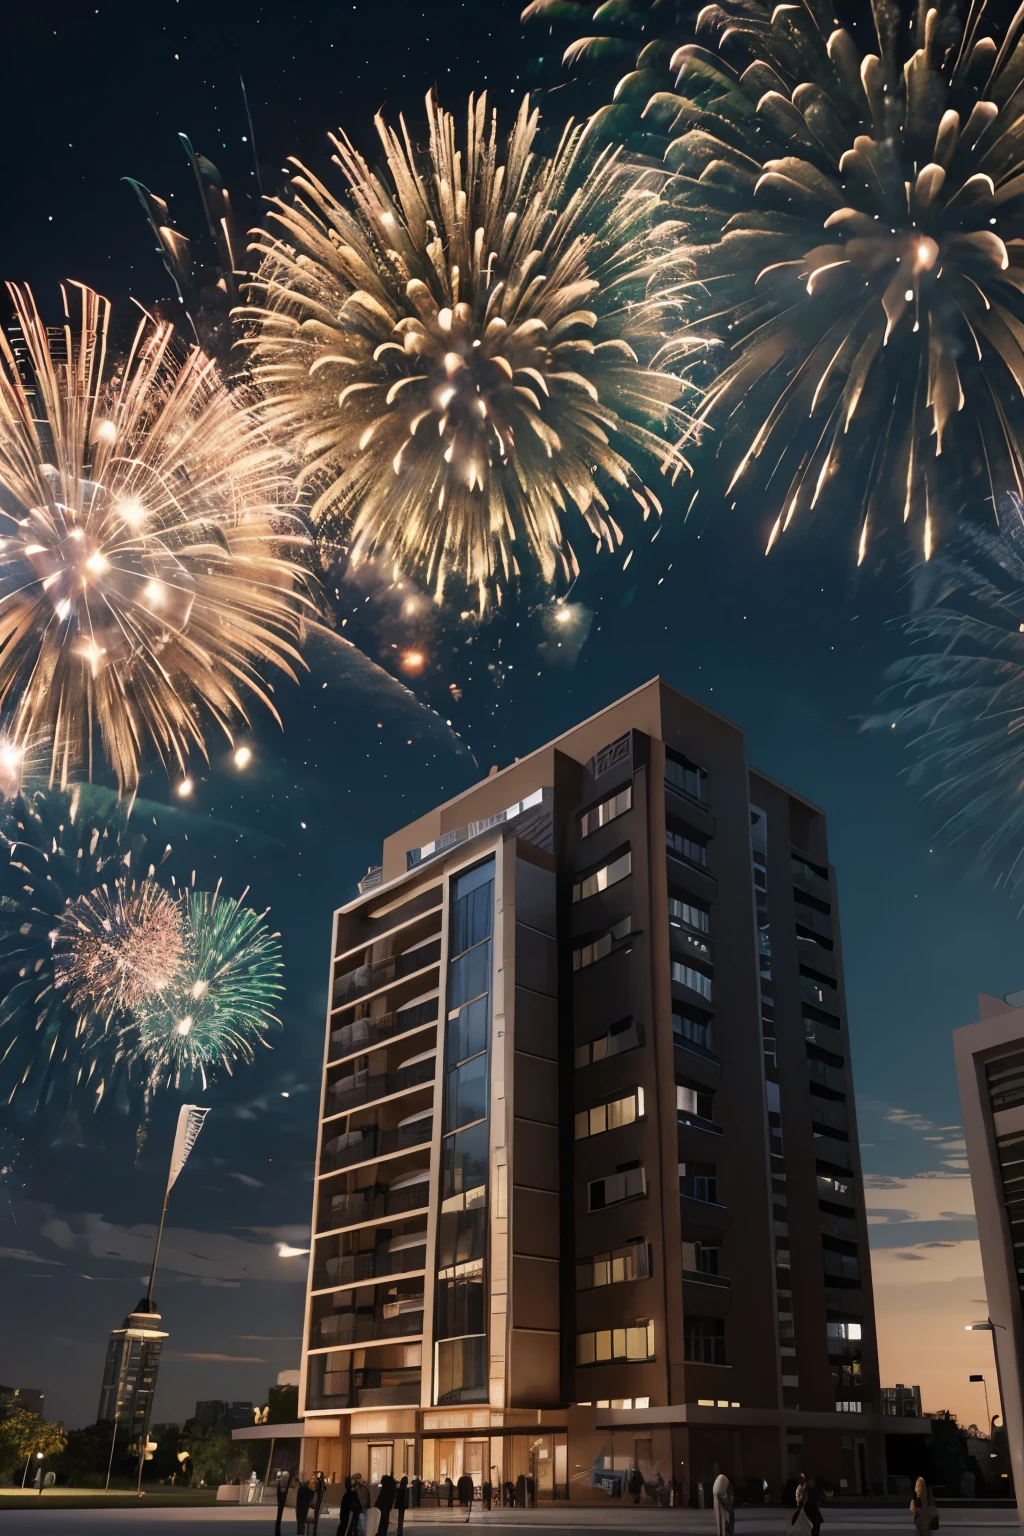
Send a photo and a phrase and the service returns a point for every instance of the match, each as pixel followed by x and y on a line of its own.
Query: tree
pixel 26 1435
pixel 84 1461
pixel 283 1405
pixel 165 1463
pixel 947 1452
pixel 209 1451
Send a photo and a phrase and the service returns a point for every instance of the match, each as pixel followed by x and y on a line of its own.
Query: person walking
pixel 799 1494
pixel 636 1484
pixel 402 1503
pixel 319 1489
pixel 283 1483
pixel 923 1508
pixel 811 1505
pixel 449 1489
pixel 304 1496
pixel 724 1505
pixel 385 1502
pixel 351 1509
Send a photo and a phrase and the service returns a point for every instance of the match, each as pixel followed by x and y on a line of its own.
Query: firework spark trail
pixel 118 947
pixel 459 351
pixel 959 694
pixel 220 1004
pixel 855 200
pixel 146 581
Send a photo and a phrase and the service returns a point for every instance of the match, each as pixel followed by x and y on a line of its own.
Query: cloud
pixel 882 1181
pixel 226 1359
pixel 26 1255
pixel 920 1197
pixel 917 1257
pixel 244 1178
pixel 891 1215
pixel 212 1257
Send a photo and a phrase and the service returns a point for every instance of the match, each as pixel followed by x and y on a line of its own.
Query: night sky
pixel 793 648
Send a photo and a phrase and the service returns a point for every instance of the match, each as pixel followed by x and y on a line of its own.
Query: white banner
pixel 190 1123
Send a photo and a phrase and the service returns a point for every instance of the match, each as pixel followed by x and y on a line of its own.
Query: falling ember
pixel 146 509
pixel 413 661
pixel 471 367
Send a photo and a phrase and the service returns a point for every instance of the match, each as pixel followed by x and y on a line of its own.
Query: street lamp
pixel 988 1326
pixel 988 1411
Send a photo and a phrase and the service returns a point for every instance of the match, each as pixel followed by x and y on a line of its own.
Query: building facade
pixel 588 1189
pixel 900 1402
pixel 129 1372
pixel 28 1398
pixel 990 1072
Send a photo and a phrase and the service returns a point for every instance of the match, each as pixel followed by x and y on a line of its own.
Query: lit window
pixel 608 810
pixel 608 1117
pixel 691 1099
pixel 608 875
pixel 630 1263
pixel 636 1343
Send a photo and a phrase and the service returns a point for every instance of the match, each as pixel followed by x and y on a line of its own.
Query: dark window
pixel 466 1093
pixel 687 845
pixel 472 908
pixel 684 775
pixel 464 1161
pixel 467 1034
pixel 462 1370
pixel 697 1031
pixel 704 1340
pixel 469 976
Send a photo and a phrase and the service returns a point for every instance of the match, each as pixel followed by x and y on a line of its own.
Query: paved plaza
pixel 229 1520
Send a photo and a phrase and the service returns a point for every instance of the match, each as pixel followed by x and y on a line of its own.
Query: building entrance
pixel 457 1458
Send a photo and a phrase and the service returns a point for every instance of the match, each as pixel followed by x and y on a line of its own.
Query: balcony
pixel 380 1264
pixel 701 1277
pixel 806 877
pixel 364 1388
pixel 825 1076
pixel 361 1035
pixel 696 1215
pixel 367 1142
pixel 819 995
pixel 365 979
pixel 350 1208
pixel 688 945
pixel 341 1329
pixel 360 1088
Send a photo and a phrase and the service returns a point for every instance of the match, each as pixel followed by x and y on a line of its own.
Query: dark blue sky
pixel 793 648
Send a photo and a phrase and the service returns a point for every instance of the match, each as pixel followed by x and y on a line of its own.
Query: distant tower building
pixel 129 1375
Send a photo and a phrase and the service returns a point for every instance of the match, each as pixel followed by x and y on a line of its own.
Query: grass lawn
pixel 154 1496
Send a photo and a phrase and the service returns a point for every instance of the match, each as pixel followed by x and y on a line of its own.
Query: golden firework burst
pixel 118 948
pixel 459 350
pixel 147 581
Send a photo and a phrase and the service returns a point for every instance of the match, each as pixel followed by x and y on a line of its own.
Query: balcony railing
pixel 360 1088
pixel 364 1034
pixel 402 1392
pixel 368 1141
pixel 350 1268
pixel 346 1328
pixel 381 973
pixel 358 1205
pixel 701 1277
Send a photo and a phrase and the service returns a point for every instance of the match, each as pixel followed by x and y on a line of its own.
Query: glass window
pixel 687 976
pixel 685 1027
pixel 608 1117
pixel 699 1181
pixel 635 1343
pixel 466 1093
pixel 587 954
pixel 608 810
pixel 630 1263
pixel 469 976
pixel 462 1370
pixel 704 1340
pixel 608 875
pixel 623 1036
pixel 464 1161
pixel 616 1187
pixel 693 913
pixel 467 1031
pixel 684 775
pixel 692 1099
pixel 472 908
pixel 688 846
pixel 462 1230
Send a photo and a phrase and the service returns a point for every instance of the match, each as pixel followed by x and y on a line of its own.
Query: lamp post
pixel 989 1327
pixel 988 1411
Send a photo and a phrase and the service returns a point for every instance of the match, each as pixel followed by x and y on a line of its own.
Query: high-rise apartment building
pixel 129 1372
pixel 990 1071
pixel 588 1191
